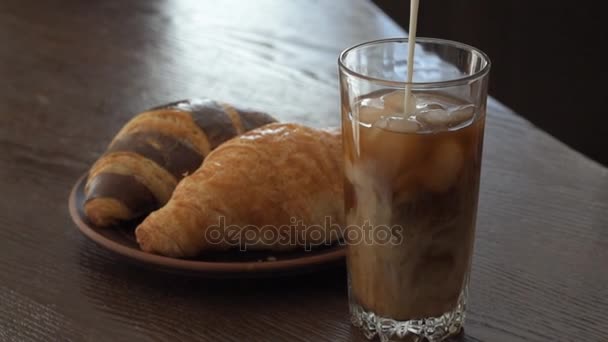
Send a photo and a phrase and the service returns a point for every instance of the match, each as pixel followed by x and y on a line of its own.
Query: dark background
pixel 560 90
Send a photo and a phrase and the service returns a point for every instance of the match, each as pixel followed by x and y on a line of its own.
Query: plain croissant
pixel 267 178
pixel 153 151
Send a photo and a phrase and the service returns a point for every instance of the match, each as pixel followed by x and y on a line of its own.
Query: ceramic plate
pixel 234 263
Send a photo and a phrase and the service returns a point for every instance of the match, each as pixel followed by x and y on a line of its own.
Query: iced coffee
pixel 413 168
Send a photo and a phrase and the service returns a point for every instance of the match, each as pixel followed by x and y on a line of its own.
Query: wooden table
pixel 71 73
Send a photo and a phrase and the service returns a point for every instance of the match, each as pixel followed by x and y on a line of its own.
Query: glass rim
pixel 402 84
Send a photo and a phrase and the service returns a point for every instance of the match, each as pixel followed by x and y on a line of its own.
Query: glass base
pixel 432 329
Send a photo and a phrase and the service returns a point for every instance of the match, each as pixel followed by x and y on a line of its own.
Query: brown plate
pixel 234 263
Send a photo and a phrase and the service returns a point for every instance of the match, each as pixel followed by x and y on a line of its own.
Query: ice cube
pixel 428 106
pixel 368 115
pixel 397 124
pixel 392 152
pixel 443 167
pixel 393 102
pixel 461 114
pixel 373 102
pixel 433 117
pixel 446 118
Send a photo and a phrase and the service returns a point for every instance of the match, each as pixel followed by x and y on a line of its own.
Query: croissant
pixel 262 182
pixel 152 152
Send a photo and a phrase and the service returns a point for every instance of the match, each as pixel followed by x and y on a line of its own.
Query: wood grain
pixel 74 72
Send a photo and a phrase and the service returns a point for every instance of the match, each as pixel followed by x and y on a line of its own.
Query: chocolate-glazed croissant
pixel 152 152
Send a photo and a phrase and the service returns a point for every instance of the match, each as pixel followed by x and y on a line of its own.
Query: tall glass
pixel 411 183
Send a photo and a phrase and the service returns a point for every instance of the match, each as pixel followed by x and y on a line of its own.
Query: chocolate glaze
pixel 251 120
pixel 181 105
pixel 125 189
pixel 168 152
pixel 211 117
